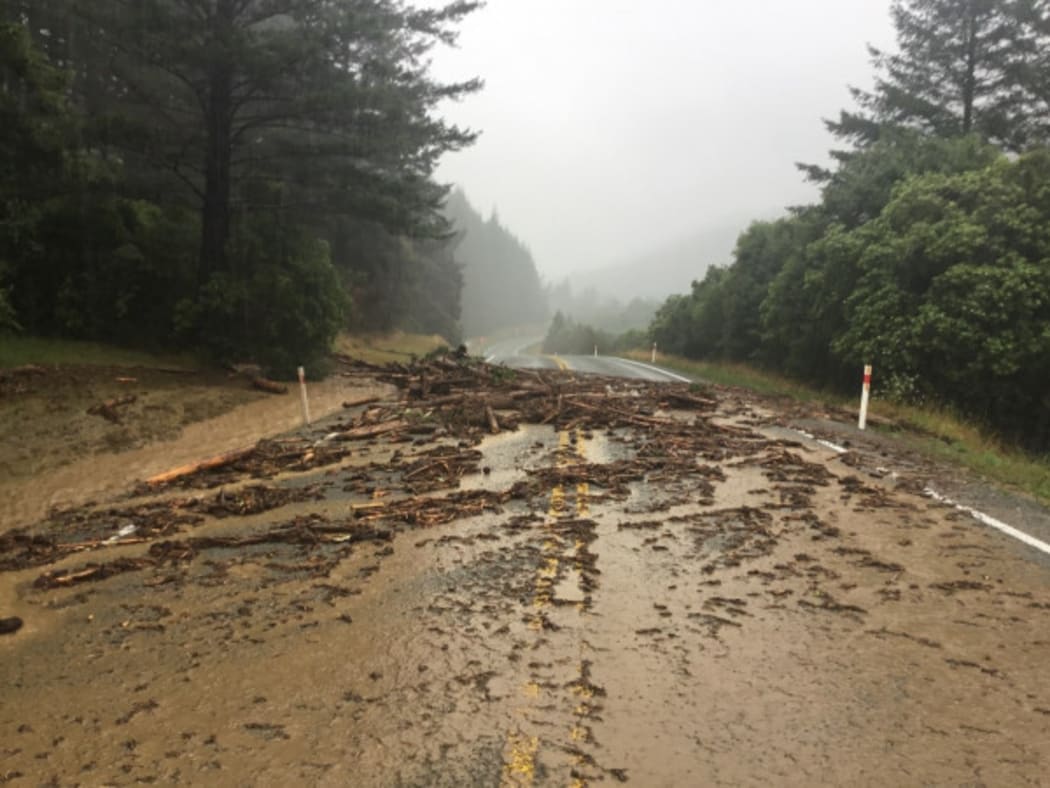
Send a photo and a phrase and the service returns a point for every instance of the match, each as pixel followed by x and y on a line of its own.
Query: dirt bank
pixel 55 452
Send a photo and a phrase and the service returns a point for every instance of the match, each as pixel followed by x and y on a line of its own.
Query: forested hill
pixel 246 180
pixel 501 287
pixel 928 254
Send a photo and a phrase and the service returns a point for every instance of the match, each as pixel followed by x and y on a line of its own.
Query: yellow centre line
pixel 519 768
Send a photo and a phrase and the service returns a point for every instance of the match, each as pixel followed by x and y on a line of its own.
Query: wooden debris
pixel 372 431
pixel 108 409
pixel 357 403
pixel 212 462
pixel 269 386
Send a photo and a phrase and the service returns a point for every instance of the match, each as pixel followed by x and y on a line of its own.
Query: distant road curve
pixel 514 353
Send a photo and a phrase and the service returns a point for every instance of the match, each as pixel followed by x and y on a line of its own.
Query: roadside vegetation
pixel 928 254
pixel 375 348
pixel 565 335
pixel 225 182
pixel 17 351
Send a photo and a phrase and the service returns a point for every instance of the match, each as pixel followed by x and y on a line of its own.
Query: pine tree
pixel 295 106
pixel 954 74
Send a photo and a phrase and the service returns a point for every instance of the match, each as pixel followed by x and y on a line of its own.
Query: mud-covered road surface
pixel 500 578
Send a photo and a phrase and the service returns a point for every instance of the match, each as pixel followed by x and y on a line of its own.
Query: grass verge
pixel 937 433
pixel 16 351
pixel 387 348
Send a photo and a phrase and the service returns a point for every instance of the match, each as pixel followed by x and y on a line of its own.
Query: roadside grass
pixel 16 351
pixel 387 348
pixel 936 432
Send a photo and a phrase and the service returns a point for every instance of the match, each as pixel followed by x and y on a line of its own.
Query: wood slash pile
pixel 447 405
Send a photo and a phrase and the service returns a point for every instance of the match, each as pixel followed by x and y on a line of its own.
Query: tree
pixel 331 98
pixel 956 73
pixel 501 286
pixel 952 301
pixel 34 131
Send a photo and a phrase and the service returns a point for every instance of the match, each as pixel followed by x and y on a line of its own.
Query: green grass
pixel 16 351
pixel 937 433
pixel 386 348
pixel 742 376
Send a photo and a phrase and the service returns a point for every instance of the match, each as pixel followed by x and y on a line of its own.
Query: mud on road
pixel 525 578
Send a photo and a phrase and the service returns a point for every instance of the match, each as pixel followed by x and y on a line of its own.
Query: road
pixel 515 353
pixel 634 584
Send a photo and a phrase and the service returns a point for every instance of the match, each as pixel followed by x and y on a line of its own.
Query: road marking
pixel 651 368
pixel 826 444
pixel 998 525
pixel 979 516
pixel 521 768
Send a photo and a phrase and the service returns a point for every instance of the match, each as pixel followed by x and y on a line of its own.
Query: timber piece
pixel 269 386
pixel 108 409
pixel 211 463
pixel 493 423
pixel 636 418
pixel 689 400
pixel 361 401
pixel 372 430
pixel 61 578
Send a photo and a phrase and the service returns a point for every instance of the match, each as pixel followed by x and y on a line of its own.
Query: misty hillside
pixel 664 271
pixel 501 287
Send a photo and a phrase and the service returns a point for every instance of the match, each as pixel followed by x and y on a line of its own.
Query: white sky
pixel 614 127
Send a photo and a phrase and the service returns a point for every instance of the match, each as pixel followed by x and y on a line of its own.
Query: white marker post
pixel 653 361
pixel 596 351
pixel 865 395
pixel 302 396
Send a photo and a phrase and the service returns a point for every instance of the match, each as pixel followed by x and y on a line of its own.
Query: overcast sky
pixel 613 127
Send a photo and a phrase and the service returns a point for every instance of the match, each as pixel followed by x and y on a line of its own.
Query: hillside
pixel 664 271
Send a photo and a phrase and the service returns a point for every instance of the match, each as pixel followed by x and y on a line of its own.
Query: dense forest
pixel 928 254
pixel 501 286
pixel 246 177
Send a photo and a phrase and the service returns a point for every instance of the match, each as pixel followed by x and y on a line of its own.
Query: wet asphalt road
pixel 515 353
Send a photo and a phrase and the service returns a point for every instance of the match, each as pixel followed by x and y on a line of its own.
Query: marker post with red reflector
pixel 865 396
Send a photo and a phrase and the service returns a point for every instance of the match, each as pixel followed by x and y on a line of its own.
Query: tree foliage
pixel 206 166
pixel 501 286
pixel 928 254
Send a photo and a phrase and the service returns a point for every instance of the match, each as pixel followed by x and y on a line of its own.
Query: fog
pixel 611 128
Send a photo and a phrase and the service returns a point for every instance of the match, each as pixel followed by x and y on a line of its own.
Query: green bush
pixel 284 313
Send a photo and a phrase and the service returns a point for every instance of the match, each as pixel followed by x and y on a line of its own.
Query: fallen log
pixel 356 403
pixel 372 430
pixel 269 386
pixel 204 465
pixel 108 409
pixel 636 418
pixel 493 423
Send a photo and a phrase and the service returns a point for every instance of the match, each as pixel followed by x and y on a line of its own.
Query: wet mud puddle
pixel 650 597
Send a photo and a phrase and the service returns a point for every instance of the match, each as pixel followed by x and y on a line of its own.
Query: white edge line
pixel 826 444
pixel 979 516
pixel 632 362
pixel 998 525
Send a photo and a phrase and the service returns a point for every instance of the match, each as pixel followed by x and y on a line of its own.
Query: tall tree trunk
pixel 215 216
pixel 970 78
